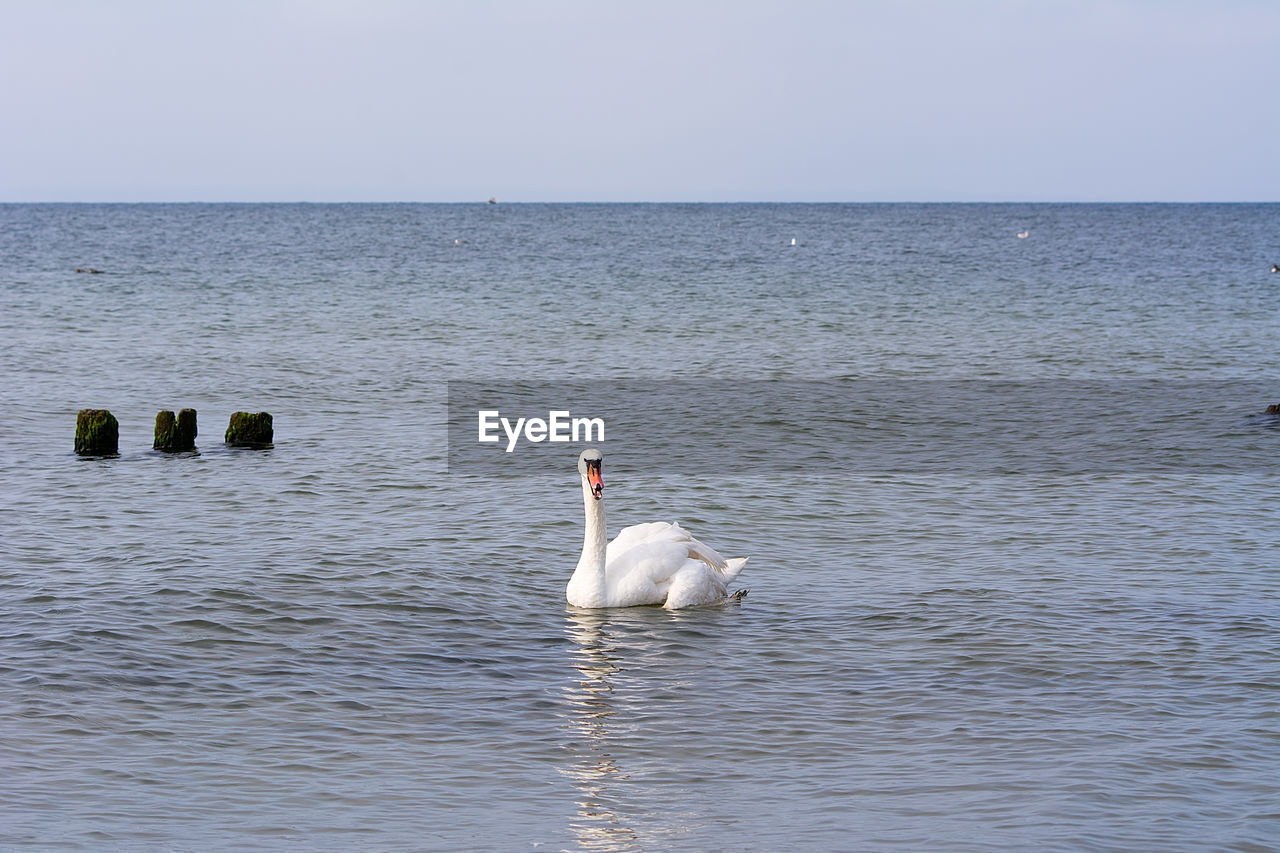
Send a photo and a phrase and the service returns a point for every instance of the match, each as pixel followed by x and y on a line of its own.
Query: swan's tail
pixel 732 567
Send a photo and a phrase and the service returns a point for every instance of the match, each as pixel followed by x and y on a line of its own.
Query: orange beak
pixel 595 480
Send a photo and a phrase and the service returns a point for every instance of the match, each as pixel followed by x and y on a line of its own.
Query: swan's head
pixel 589 467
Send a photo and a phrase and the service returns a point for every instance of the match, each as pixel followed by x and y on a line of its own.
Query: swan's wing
pixel 643 573
pixel 639 534
pixel 726 567
pixel 704 552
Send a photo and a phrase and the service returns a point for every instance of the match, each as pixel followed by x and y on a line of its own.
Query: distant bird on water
pixel 1024 234
pixel 1275 267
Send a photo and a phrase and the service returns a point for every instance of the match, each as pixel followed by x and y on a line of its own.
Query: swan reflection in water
pixel 633 701
pixel 595 772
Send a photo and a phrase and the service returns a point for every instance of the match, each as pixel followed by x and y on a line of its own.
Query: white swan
pixel 656 563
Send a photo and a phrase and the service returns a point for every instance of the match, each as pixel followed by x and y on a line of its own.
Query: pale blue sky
pixel 595 100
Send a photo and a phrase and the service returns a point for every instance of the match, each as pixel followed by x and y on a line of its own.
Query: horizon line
pixel 499 203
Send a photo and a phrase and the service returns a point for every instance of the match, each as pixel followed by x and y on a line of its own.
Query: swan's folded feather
pixel 653 531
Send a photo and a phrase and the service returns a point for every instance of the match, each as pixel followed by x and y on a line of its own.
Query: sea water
pixel 1009 504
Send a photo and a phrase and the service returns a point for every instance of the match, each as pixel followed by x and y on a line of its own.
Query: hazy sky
pixel 567 100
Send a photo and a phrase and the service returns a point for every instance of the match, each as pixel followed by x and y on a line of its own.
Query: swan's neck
pixel 587 588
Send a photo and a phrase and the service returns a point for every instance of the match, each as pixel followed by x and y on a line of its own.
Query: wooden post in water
pixel 247 429
pixel 176 435
pixel 97 433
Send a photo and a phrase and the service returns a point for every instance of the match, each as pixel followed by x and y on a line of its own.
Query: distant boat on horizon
pixel 492 200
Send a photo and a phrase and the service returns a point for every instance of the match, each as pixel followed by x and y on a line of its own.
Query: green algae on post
pixel 175 435
pixel 97 433
pixel 247 429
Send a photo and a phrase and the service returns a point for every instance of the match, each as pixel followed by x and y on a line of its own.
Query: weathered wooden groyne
pixel 175 434
pixel 250 429
pixel 98 432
